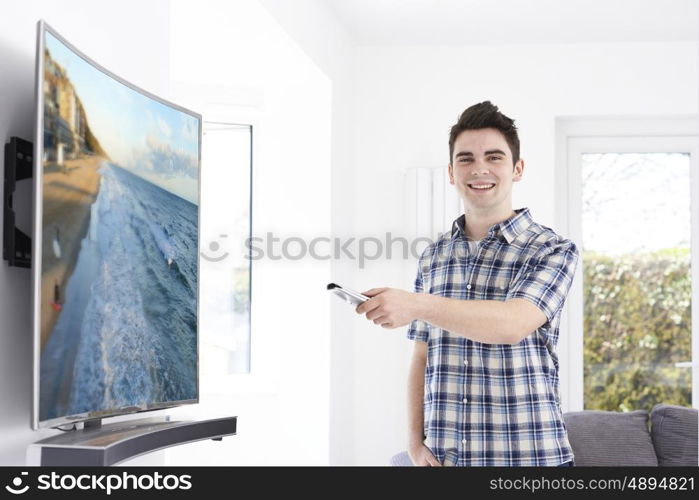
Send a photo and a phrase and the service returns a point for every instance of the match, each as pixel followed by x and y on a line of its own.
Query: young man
pixel 483 382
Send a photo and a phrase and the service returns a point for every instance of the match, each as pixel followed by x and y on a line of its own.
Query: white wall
pixel 110 34
pixel 234 62
pixel 318 31
pixel 407 98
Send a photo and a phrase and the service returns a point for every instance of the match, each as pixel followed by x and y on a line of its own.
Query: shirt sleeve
pixel 546 280
pixel 418 329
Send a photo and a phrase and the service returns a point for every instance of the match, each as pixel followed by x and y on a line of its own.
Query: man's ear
pixel 518 171
pixel 451 174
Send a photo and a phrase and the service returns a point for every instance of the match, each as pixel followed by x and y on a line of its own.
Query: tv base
pixel 113 443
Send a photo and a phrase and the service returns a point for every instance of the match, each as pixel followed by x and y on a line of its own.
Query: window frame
pixel 577 135
pixel 233 106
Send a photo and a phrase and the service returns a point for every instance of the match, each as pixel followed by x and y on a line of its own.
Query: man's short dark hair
pixel 486 115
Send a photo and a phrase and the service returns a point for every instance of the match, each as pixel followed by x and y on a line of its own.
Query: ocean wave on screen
pixel 138 324
pixel 163 241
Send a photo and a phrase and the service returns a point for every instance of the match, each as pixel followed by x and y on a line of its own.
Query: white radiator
pixel 432 203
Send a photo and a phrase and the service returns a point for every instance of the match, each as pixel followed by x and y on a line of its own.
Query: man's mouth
pixel 481 186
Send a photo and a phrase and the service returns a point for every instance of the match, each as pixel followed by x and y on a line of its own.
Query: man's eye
pixel 495 158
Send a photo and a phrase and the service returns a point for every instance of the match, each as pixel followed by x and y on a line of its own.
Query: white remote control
pixel 350 296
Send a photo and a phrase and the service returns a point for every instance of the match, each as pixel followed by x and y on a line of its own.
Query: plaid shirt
pixel 496 404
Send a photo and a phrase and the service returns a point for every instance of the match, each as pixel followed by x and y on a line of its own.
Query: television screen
pixel 115 243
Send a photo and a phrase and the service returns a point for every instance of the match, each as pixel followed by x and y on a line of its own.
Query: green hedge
pixel 637 326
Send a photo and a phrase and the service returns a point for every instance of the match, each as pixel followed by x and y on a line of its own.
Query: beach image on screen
pixel 118 297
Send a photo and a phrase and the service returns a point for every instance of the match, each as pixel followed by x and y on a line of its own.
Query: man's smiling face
pixel 482 170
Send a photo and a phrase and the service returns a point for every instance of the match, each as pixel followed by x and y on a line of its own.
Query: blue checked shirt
pixel 496 404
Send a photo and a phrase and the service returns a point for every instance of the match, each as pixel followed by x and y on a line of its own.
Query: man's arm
pixel 485 321
pixel 419 453
pixel 533 299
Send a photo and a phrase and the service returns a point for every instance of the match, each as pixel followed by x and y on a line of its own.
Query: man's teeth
pixel 481 186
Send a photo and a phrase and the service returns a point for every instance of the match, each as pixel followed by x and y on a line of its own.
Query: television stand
pixel 110 444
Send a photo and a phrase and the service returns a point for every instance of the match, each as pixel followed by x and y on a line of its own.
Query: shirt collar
pixel 509 228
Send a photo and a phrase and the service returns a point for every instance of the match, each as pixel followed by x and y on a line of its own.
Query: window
pixel 636 280
pixel 627 198
pixel 225 269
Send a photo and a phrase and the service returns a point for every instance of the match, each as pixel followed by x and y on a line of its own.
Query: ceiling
pixel 458 22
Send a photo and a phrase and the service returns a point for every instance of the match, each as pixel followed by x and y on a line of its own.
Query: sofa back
pixel 608 438
pixel 674 433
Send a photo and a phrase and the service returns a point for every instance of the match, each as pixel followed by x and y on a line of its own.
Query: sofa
pixel 665 437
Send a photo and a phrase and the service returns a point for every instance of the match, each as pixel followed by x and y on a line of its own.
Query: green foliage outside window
pixel 636 327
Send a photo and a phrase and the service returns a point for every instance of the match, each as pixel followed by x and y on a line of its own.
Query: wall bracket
pixel 19 159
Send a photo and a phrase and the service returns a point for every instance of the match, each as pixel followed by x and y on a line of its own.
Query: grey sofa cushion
pixel 674 433
pixel 608 438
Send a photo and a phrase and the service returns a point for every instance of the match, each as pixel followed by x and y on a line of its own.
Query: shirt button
pixel 465 400
pixel 468 287
pixel 463 441
pixel 465 361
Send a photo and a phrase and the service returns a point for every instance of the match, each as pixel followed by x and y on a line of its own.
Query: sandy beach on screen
pixel 68 194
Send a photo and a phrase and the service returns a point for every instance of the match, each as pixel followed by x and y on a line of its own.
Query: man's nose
pixel 479 167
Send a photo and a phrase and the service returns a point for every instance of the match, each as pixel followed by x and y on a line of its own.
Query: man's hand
pixel 422 456
pixel 391 307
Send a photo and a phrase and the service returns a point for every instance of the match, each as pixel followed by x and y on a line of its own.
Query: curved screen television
pixel 115 243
